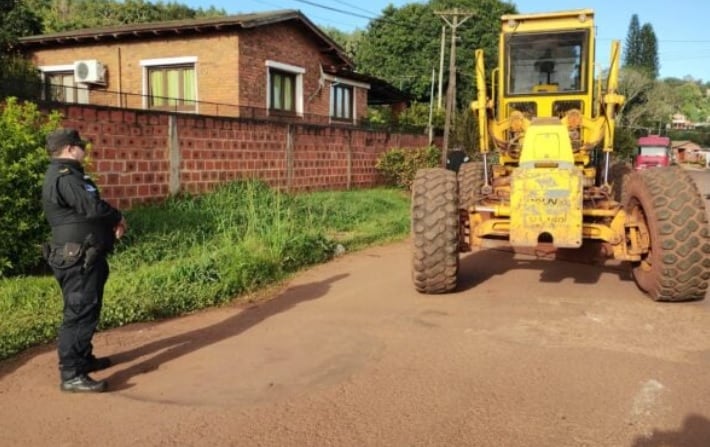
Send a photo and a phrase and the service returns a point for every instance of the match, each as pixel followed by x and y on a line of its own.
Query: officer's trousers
pixel 83 293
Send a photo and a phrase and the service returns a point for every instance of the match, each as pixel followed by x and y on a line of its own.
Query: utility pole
pixel 454 23
pixel 441 64
pixel 431 106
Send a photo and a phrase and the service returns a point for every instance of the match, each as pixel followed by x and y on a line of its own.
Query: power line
pixel 357 7
pixel 329 8
pixel 373 17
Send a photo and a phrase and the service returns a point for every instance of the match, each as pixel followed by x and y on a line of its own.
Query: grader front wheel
pixel 673 225
pixel 619 175
pixel 435 227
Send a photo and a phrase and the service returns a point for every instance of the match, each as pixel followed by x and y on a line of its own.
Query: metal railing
pixel 52 95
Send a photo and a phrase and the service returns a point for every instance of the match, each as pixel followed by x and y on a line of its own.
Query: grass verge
pixel 195 252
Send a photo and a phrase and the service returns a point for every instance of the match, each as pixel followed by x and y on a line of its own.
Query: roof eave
pixel 183 27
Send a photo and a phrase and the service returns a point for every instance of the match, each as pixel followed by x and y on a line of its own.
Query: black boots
pixel 83 384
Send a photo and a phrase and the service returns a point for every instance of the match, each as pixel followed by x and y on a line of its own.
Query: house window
pixel 284 88
pixel 59 86
pixel 172 87
pixel 343 97
pixel 341 102
pixel 283 91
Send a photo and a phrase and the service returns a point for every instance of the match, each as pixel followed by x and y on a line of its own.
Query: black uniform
pixel 82 235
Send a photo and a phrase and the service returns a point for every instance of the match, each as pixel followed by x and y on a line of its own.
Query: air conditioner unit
pixel 89 72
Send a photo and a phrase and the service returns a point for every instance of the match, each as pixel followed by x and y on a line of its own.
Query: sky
pixel 682 27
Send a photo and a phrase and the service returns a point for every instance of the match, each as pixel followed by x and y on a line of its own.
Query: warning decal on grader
pixel 550 205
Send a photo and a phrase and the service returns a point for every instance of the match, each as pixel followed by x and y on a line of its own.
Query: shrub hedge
pixel 23 160
pixel 400 165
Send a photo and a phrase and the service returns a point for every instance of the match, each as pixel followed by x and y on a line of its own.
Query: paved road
pixel 527 353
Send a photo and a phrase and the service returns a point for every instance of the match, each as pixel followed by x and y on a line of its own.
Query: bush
pixel 23 161
pixel 399 166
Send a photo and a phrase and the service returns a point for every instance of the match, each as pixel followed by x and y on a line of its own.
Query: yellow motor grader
pixel 547 177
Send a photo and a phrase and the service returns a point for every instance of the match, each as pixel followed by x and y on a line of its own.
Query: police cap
pixel 62 137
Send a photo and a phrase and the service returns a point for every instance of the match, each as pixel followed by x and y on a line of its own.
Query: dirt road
pixel 527 353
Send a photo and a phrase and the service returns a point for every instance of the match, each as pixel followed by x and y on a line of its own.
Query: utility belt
pixel 76 232
pixel 69 254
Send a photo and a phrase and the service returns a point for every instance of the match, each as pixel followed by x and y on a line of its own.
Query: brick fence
pixel 145 156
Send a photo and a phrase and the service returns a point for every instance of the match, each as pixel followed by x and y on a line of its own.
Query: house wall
pixel 215 68
pixel 289 45
pixel 144 156
pixel 231 68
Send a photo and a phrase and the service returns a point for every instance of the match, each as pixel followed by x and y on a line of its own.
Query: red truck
pixel 652 151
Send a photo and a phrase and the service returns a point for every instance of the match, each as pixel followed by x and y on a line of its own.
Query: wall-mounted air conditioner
pixel 89 72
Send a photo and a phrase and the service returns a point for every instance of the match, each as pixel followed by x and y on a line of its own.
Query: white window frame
pixel 288 68
pixel 80 86
pixel 146 64
pixel 334 81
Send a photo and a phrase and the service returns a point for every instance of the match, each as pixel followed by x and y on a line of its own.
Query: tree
pixel 16 20
pixel 693 103
pixel 17 77
pixel 349 42
pixel 632 49
pixel 652 114
pixel 641 51
pixel 648 58
pixel 661 102
pixel 633 84
pixel 402 46
pixel 64 15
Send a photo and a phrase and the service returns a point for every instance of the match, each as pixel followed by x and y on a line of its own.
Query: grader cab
pixel 546 175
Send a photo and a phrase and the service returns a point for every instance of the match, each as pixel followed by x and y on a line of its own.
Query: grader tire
pixel 667 203
pixel 435 228
pixel 470 179
pixel 618 176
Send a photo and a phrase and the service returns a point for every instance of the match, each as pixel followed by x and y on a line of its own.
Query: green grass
pixel 195 252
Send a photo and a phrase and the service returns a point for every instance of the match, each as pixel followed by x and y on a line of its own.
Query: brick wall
pixel 143 156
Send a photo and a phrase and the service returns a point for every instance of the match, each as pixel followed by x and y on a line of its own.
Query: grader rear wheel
pixel 435 228
pixel 470 179
pixel 674 226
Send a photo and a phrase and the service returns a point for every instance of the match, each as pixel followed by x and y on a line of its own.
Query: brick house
pixel 686 152
pixel 263 65
pixel 679 121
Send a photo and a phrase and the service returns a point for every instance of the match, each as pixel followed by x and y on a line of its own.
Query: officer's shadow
pixel 182 344
pixel 695 432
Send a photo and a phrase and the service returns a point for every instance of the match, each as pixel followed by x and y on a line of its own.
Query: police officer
pixel 84 228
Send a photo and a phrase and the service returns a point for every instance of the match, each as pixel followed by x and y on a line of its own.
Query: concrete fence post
pixel 290 137
pixel 173 156
pixel 350 159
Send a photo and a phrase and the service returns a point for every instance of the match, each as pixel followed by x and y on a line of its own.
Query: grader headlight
pixel 517 121
pixel 574 119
